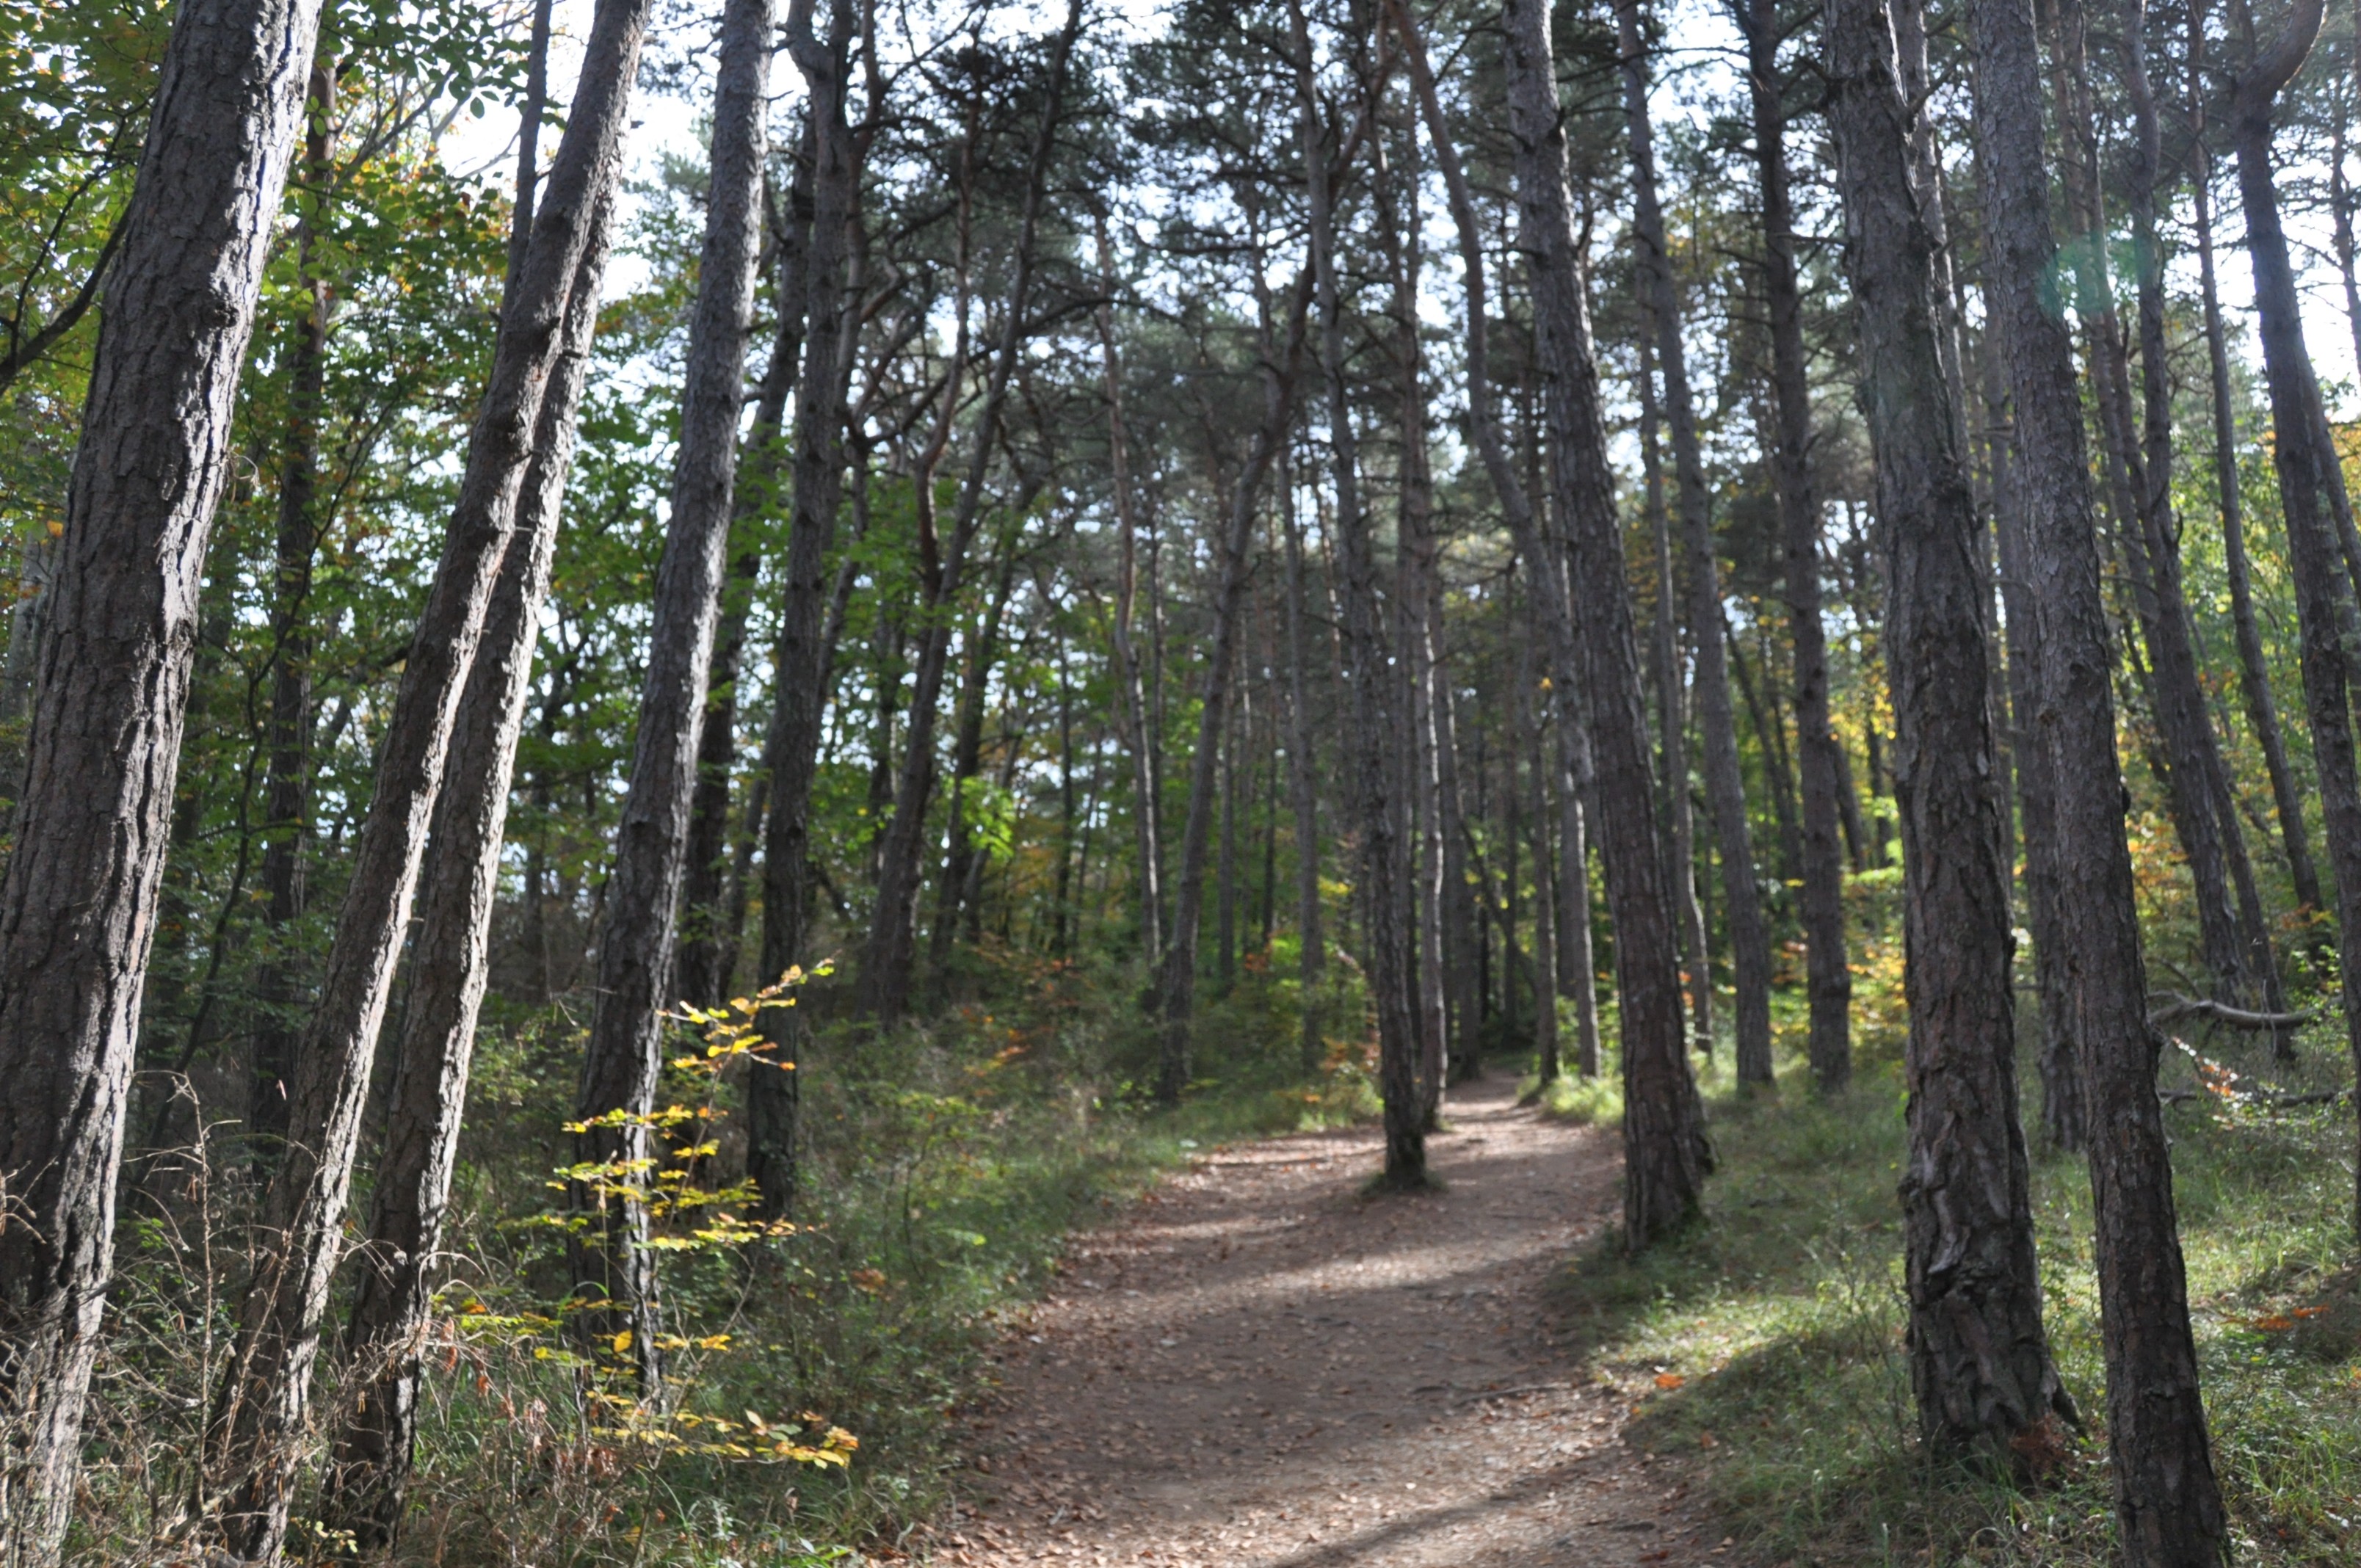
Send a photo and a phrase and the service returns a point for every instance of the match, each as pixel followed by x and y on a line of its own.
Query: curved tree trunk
pixel 2168 1508
pixel 78 903
pixel 1980 1359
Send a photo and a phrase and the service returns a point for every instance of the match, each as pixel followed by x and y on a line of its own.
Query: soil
pixel 1258 1364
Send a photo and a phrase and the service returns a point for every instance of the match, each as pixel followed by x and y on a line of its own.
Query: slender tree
pixel 1665 1155
pixel 1749 935
pixel 79 900
pixel 2169 1506
pixel 1980 1361
pixel 2312 491
pixel 261 1404
pixel 1828 974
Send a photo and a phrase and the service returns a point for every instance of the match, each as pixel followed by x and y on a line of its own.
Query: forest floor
pixel 1258 1363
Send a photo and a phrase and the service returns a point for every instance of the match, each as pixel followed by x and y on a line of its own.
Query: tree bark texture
pixel 2169 1506
pixel 1749 938
pixel 1987 1389
pixel 1665 1154
pixel 385 1337
pixel 259 1407
pixel 78 903
pixel 624 1052
pixel 1303 793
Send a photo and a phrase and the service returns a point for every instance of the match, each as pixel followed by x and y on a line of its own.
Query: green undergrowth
pixel 946 1165
pixel 943 1165
pixel 1765 1348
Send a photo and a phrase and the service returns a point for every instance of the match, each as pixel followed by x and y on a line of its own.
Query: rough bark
pixel 624 1052
pixel 385 1337
pixel 2063 1118
pixel 1828 977
pixel 78 903
pixel 2253 672
pixel 2168 1508
pixel 1665 1155
pixel 1577 964
pixel 260 1405
pixel 2311 495
pixel 1986 1385
pixel 798 664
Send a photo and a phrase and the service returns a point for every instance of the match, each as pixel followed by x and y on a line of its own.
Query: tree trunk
pixel 713 890
pixel 2253 672
pixel 1749 939
pixel 2311 494
pixel 2063 1121
pixel 1987 1389
pixel 1303 773
pixel 1546 1064
pixel 1370 678
pixel 625 1053
pixel 2173 644
pixel 260 1405
pixel 1828 977
pixel 799 662
pixel 1132 713
pixel 2168 1506
pixel 1671 718
pixel 78 903
pixel 287 786
pixel 369 1467
pixel 1665 1155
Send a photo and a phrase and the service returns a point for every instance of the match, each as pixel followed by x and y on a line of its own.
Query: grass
pixel 946 1164
pixel 1767 1345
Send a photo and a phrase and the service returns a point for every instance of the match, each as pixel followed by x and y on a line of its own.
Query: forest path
pixel 1258 1365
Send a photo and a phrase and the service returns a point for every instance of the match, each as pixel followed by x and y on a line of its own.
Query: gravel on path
pixel 1258 1365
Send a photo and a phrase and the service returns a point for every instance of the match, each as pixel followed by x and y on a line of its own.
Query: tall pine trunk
pixel 2168 1508
pixel 385 1337
pixel 625 1053
pixel 78 903
pixel 2254 671
pixel 1750 937
pixel 1980 1360
pixel 1665 1155
pixel 1829 976
pixel 799 662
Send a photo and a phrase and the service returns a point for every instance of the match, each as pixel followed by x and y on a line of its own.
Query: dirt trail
pixel 1255 1364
